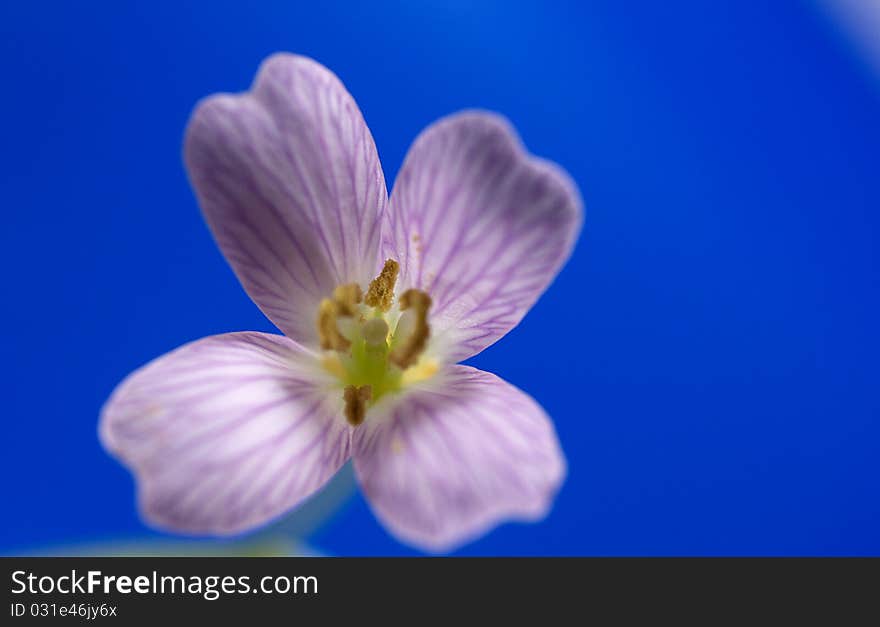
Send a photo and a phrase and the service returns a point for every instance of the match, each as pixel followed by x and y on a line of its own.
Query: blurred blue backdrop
pixel 716 391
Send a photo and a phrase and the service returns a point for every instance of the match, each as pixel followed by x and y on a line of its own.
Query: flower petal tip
pixel 225 434
pixel 289 181
pixel 481 225
pixel 443 541
pixel 449 463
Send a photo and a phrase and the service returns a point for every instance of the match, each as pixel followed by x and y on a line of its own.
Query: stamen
pixel 370 350
pixel 347 297
pixel 381 290
pixel 344 303
pixel 356 399
pixel 407 352
pixel 328 332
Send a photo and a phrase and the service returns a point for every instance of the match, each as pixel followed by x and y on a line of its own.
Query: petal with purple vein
pixel 444 464
pixel 226 433
pixel 289 181
pixel 480 225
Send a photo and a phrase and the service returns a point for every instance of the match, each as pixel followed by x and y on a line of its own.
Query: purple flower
pixel 378 300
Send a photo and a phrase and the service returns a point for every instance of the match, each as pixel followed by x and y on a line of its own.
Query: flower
pixel 378 300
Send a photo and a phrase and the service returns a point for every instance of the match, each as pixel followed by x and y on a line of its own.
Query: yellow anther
pixel 381 290
pixel 347 298
pixel 356 399
pixel 328 332
pixel 407 352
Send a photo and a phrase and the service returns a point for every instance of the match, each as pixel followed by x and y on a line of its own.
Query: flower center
pixel 373 345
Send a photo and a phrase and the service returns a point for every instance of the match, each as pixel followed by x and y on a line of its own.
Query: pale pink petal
pixel 444 464
pixel 226 433
pixel 289 181
pixel 479 224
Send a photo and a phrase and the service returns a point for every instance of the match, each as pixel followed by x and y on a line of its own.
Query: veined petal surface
pixel 480 225
pixel 226 433
pixel 444 464
pixel 289 181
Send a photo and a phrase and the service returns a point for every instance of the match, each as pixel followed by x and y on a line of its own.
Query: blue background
pixel 709 354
